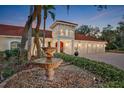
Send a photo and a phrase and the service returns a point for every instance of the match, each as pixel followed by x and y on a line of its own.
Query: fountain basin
pixel 49 66
pixel 49 52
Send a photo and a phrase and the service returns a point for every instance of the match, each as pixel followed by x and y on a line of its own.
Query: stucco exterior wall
pixel 90 47
pixel 5 42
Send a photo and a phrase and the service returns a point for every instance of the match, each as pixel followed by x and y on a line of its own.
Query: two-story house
pixel 62 36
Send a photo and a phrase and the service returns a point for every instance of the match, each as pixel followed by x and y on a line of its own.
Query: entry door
pixel 61 46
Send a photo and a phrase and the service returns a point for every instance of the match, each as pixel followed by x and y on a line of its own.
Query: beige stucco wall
pixel 5 42
pixel 90 47
pixel 84 47
pixel 68 31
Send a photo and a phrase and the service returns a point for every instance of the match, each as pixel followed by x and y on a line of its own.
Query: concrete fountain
pixel 49 63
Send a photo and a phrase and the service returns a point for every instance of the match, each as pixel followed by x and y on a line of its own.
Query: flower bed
pixel 112 76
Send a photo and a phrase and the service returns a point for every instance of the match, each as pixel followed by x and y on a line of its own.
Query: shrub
pixel 121 49
pixel 7 72
pixel 107 72
pixel 115 84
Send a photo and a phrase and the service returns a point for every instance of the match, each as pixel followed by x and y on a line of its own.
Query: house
pixel 62 36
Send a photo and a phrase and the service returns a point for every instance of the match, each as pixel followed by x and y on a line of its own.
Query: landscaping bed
pixel 113 77
pixel 66 76
pixel 10 66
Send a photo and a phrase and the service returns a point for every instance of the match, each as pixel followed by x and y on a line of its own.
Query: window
pixel 14 44
pixel 61 32
pixel 66 32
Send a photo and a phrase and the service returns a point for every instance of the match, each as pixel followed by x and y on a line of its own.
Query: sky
pixel 80 14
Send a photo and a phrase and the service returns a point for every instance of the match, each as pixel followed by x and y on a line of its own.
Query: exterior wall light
pixel 66 44
pixel 89 45
pixel 79 45
pixel 97 45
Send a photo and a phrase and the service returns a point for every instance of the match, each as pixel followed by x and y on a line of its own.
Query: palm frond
pixel 52 15
pixel 68 8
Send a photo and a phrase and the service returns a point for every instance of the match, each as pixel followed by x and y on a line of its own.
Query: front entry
pixel 61 46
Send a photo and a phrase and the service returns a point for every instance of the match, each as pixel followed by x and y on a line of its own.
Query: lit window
pixel 61 32
pixel 14 44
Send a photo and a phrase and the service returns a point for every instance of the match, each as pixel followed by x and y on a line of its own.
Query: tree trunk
pixel 44 31
pixel 36 39
pixel 24 35
pixel 30 37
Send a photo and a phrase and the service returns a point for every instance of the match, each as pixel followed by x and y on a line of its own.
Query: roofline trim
pixel 63 22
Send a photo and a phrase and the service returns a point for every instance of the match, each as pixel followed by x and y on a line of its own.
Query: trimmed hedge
pixel 107 72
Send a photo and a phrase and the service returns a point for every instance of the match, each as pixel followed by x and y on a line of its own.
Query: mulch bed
pixel 66 76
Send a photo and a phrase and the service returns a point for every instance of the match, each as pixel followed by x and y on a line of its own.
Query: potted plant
pixel 76 51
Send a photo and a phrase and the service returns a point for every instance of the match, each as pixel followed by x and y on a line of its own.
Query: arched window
pixel 14 44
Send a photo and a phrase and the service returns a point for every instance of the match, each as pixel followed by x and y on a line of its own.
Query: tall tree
pixel 109 35
pixel 37 29
pixel 48 9
pixel 30 36
pixel 88 31
pixel 35 14
pixel 84 29
pixel 120 29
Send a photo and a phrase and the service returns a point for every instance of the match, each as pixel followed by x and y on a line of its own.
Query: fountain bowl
pixel 49 51
pixel 48 66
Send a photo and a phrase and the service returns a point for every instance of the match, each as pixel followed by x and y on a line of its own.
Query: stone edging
pixel 6 81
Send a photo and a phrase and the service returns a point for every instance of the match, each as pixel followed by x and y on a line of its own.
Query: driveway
pixel 114 59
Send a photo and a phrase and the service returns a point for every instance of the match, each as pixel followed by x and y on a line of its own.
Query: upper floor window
pixel 61 32
pixel 14 44
pixel 66 32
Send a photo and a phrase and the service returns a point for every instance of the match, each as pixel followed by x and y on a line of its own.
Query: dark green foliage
pixel 115 84
pixel 12 53
pixel 107 72
pixel 7 72
pixel 121 49
pixel 1 53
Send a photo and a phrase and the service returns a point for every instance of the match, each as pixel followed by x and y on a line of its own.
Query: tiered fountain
pixel 49 63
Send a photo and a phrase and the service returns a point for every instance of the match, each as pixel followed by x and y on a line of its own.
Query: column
pixel 58 45
pixel 72 47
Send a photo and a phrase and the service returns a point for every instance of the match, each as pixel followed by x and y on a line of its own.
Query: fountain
pixel 49 63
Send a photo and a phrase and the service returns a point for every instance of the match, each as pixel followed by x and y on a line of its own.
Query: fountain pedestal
pixel 49 66
pixel 49 63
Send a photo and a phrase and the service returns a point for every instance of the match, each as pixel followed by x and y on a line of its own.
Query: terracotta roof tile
pixel 84 37
pixel 17 31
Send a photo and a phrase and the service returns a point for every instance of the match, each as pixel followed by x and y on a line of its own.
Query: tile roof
pixel 17 31
pixel 84 37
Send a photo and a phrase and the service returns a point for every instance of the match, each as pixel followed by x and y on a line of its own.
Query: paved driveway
pixel 114 59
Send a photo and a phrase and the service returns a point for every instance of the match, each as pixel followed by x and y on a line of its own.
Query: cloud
pixel 103 14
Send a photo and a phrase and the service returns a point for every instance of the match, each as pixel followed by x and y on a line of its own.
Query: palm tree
pixel 30 36
pixel 47 10
pixel 36 13
pixel 37 29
